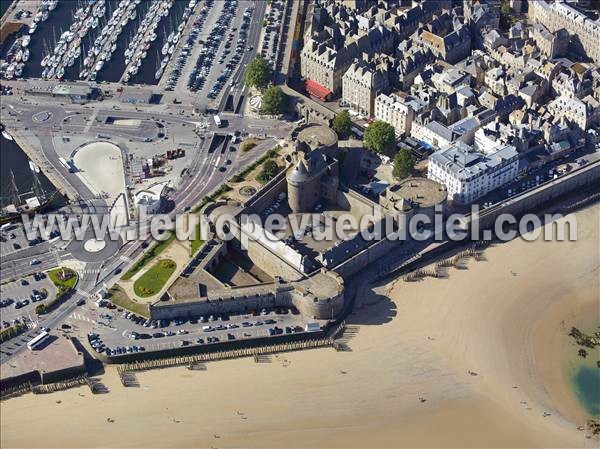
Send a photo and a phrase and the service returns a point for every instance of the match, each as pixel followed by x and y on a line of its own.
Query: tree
pixel 342 124
pixel 404 163
pixel 507 16
pixel 258 73
pixel 273 101
pixel 268 172
pixel 379 136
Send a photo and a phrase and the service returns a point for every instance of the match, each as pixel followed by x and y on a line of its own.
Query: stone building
pixel 551 45
pixel 558 15
pixel 395 110
pixel 582 113
pixel 361 84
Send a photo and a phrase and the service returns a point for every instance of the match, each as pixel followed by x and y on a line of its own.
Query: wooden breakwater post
pixel 60 386
pixel 187 360
pixel 16 391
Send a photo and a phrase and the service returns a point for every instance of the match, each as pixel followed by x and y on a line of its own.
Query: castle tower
pixel 304 180
pixel 296 180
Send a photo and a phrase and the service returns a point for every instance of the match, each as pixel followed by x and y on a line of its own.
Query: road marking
pixel 78 316
pixel 90 122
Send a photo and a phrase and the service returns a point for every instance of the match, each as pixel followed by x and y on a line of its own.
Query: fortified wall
pixel 321 296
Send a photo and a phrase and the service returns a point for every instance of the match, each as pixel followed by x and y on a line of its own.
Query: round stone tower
pixel 297 180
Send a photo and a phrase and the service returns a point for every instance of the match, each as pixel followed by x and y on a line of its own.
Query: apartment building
pixel 560 14
pixel 395 110
pixel 360 85
pixel 469 174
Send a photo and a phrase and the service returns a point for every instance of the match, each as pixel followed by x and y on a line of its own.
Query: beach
pixel 472 360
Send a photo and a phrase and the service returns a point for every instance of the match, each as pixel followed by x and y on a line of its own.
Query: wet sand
pixel 406 382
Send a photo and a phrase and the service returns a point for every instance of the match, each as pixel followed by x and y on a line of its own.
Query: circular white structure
pixel 94 245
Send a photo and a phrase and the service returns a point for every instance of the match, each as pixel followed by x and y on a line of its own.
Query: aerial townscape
pixel 299 223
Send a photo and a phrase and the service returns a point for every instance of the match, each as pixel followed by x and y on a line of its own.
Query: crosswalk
pixel 83 293
pixel 80 317
pixel 91 270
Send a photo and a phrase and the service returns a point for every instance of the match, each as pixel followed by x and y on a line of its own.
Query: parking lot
pixel 272 37
pixel 12 239
pixel 18 299
pixel 222 50
pixel 125 333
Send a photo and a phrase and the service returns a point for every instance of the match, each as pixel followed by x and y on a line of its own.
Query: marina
pixel 130 41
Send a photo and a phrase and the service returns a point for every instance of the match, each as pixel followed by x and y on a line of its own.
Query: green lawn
pixel 197 242
pixel 65 280
pixel 63 284
pixel 154 279
pixel 154 251
pixel 119 298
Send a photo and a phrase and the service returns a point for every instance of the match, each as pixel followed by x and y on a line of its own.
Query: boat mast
pixel 38 190
pixel 13 193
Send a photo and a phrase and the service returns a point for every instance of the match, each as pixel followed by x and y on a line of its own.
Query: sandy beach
pixel 474 360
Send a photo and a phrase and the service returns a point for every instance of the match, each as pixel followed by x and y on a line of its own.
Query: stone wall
pixel 301 295
pixel 271 263
pixel 524 203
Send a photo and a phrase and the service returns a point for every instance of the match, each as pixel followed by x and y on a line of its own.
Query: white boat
pixel 32 28
pixel 159 73
pixel 60 73
pixel 45 15
pixel 83 74
pixel 95 22
pixel 165 48
pixel 25 57
pixel 52 5
pixel 19 69
pixel 37 17
pixel 25 40
pixel 6 135
pixel 18 55
pixel 45 61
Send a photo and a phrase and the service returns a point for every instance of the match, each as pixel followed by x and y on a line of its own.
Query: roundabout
pixel 94 245
pixel 41 117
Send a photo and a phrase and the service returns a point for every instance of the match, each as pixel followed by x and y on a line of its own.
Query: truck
pixel 218 121
pixel 65 164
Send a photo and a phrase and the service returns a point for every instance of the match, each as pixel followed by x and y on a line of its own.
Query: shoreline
pixel 463 361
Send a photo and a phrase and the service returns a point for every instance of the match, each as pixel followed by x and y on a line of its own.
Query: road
pixel 205 177
pixel 18 115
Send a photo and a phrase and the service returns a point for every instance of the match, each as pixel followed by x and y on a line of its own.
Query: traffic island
pixel 65 280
